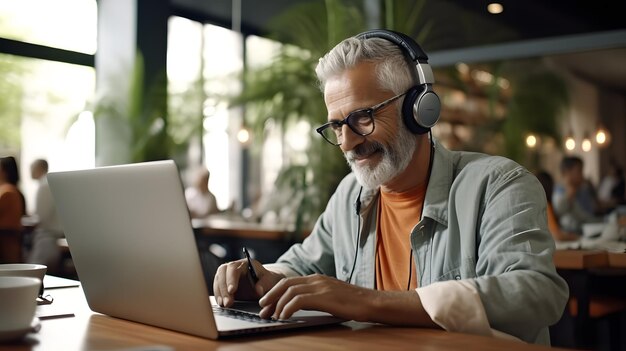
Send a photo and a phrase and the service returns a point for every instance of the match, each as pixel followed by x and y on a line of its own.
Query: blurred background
pixel 229 85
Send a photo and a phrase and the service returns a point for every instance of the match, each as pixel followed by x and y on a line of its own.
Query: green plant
pixel 141 120
pixel 185 118
pixel 138 120
pixel 286 91
pixel 523 97
pixel 538 100
pixel 11 94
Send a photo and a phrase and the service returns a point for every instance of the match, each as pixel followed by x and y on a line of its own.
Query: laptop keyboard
pixel 246 316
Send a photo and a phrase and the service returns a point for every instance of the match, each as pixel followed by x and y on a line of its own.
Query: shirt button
pixel 457 277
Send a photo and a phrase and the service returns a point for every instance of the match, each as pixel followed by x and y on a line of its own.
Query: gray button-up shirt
pixel 484 220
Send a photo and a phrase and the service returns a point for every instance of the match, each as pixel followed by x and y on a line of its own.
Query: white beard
pixel 395 159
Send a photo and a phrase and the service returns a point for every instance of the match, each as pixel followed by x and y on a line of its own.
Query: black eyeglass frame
pixel 370 113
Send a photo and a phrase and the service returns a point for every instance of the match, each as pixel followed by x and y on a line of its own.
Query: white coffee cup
pixel 18 301
pixel 591 230
pixel 23 270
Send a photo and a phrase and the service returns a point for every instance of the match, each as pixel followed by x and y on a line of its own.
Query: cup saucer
pixel 10 335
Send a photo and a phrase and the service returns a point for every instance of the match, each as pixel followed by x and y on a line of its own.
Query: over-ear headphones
pixel 421 106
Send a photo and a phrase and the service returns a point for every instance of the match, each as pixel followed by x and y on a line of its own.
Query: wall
pixel 582 118
pixel 612 114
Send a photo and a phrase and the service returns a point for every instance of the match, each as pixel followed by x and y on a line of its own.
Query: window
pixel 63 24
pixel 41 100
pixel 195 108
pixel 51 96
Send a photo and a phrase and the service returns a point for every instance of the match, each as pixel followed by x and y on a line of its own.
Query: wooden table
pixel 580 259
pixel 265 241
pixel 616 260
pixel 588 259
pixel 242 229
pixel 92 331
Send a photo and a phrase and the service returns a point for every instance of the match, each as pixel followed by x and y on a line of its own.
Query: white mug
pixel 23 270
pixel 18 301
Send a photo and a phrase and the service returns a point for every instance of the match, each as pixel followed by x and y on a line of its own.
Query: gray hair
pixel 392 67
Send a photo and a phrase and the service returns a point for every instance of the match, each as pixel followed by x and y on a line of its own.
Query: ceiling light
pixel 243 136
pixel 462 68
pixel 570 143
pixel 602 137
pixel 531 141
pixel 504 83
pixel 586 145
pixel 483 77
pixel 495 8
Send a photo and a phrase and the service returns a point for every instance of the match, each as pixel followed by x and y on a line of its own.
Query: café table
pixel 266 241
pixel 84 329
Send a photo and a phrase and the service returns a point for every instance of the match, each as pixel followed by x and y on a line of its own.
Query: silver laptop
pixel 132 243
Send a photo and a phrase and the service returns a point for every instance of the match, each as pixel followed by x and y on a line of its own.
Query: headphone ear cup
pixel 411 108
pixel 427 108
pixel 407 110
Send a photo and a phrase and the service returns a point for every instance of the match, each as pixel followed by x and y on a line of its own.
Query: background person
pixel 45 249
pixel 574 200
pixel 200 200
pixel 12 208
pixel 553 222
pixel 416 235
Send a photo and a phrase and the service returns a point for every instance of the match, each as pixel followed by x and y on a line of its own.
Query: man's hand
pixel 232 282
pixel 316 292
pixel 327 294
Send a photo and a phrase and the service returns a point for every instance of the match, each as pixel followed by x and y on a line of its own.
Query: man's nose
pixel 350 139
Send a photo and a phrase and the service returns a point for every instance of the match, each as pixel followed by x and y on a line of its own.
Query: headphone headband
pixel 411 49
pixel 414 51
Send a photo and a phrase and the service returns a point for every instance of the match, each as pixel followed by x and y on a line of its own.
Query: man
pixel 574 200
pixel 45 249
pixel 416 235
pixel 553 223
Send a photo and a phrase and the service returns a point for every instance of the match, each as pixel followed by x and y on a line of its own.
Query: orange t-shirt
pixel 10 207
pixel 398 213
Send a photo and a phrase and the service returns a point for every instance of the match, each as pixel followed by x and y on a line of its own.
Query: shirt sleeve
pixel 456 306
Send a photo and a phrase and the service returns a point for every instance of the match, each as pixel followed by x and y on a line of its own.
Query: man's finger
pixel 300 302
pixel 219 284
pixel 272 296
pixel 231 283
pixel 293 296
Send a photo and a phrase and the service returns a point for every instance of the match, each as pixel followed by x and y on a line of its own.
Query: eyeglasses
pixel 360 122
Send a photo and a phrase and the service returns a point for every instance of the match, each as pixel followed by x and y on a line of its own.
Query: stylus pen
pixel 251 270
